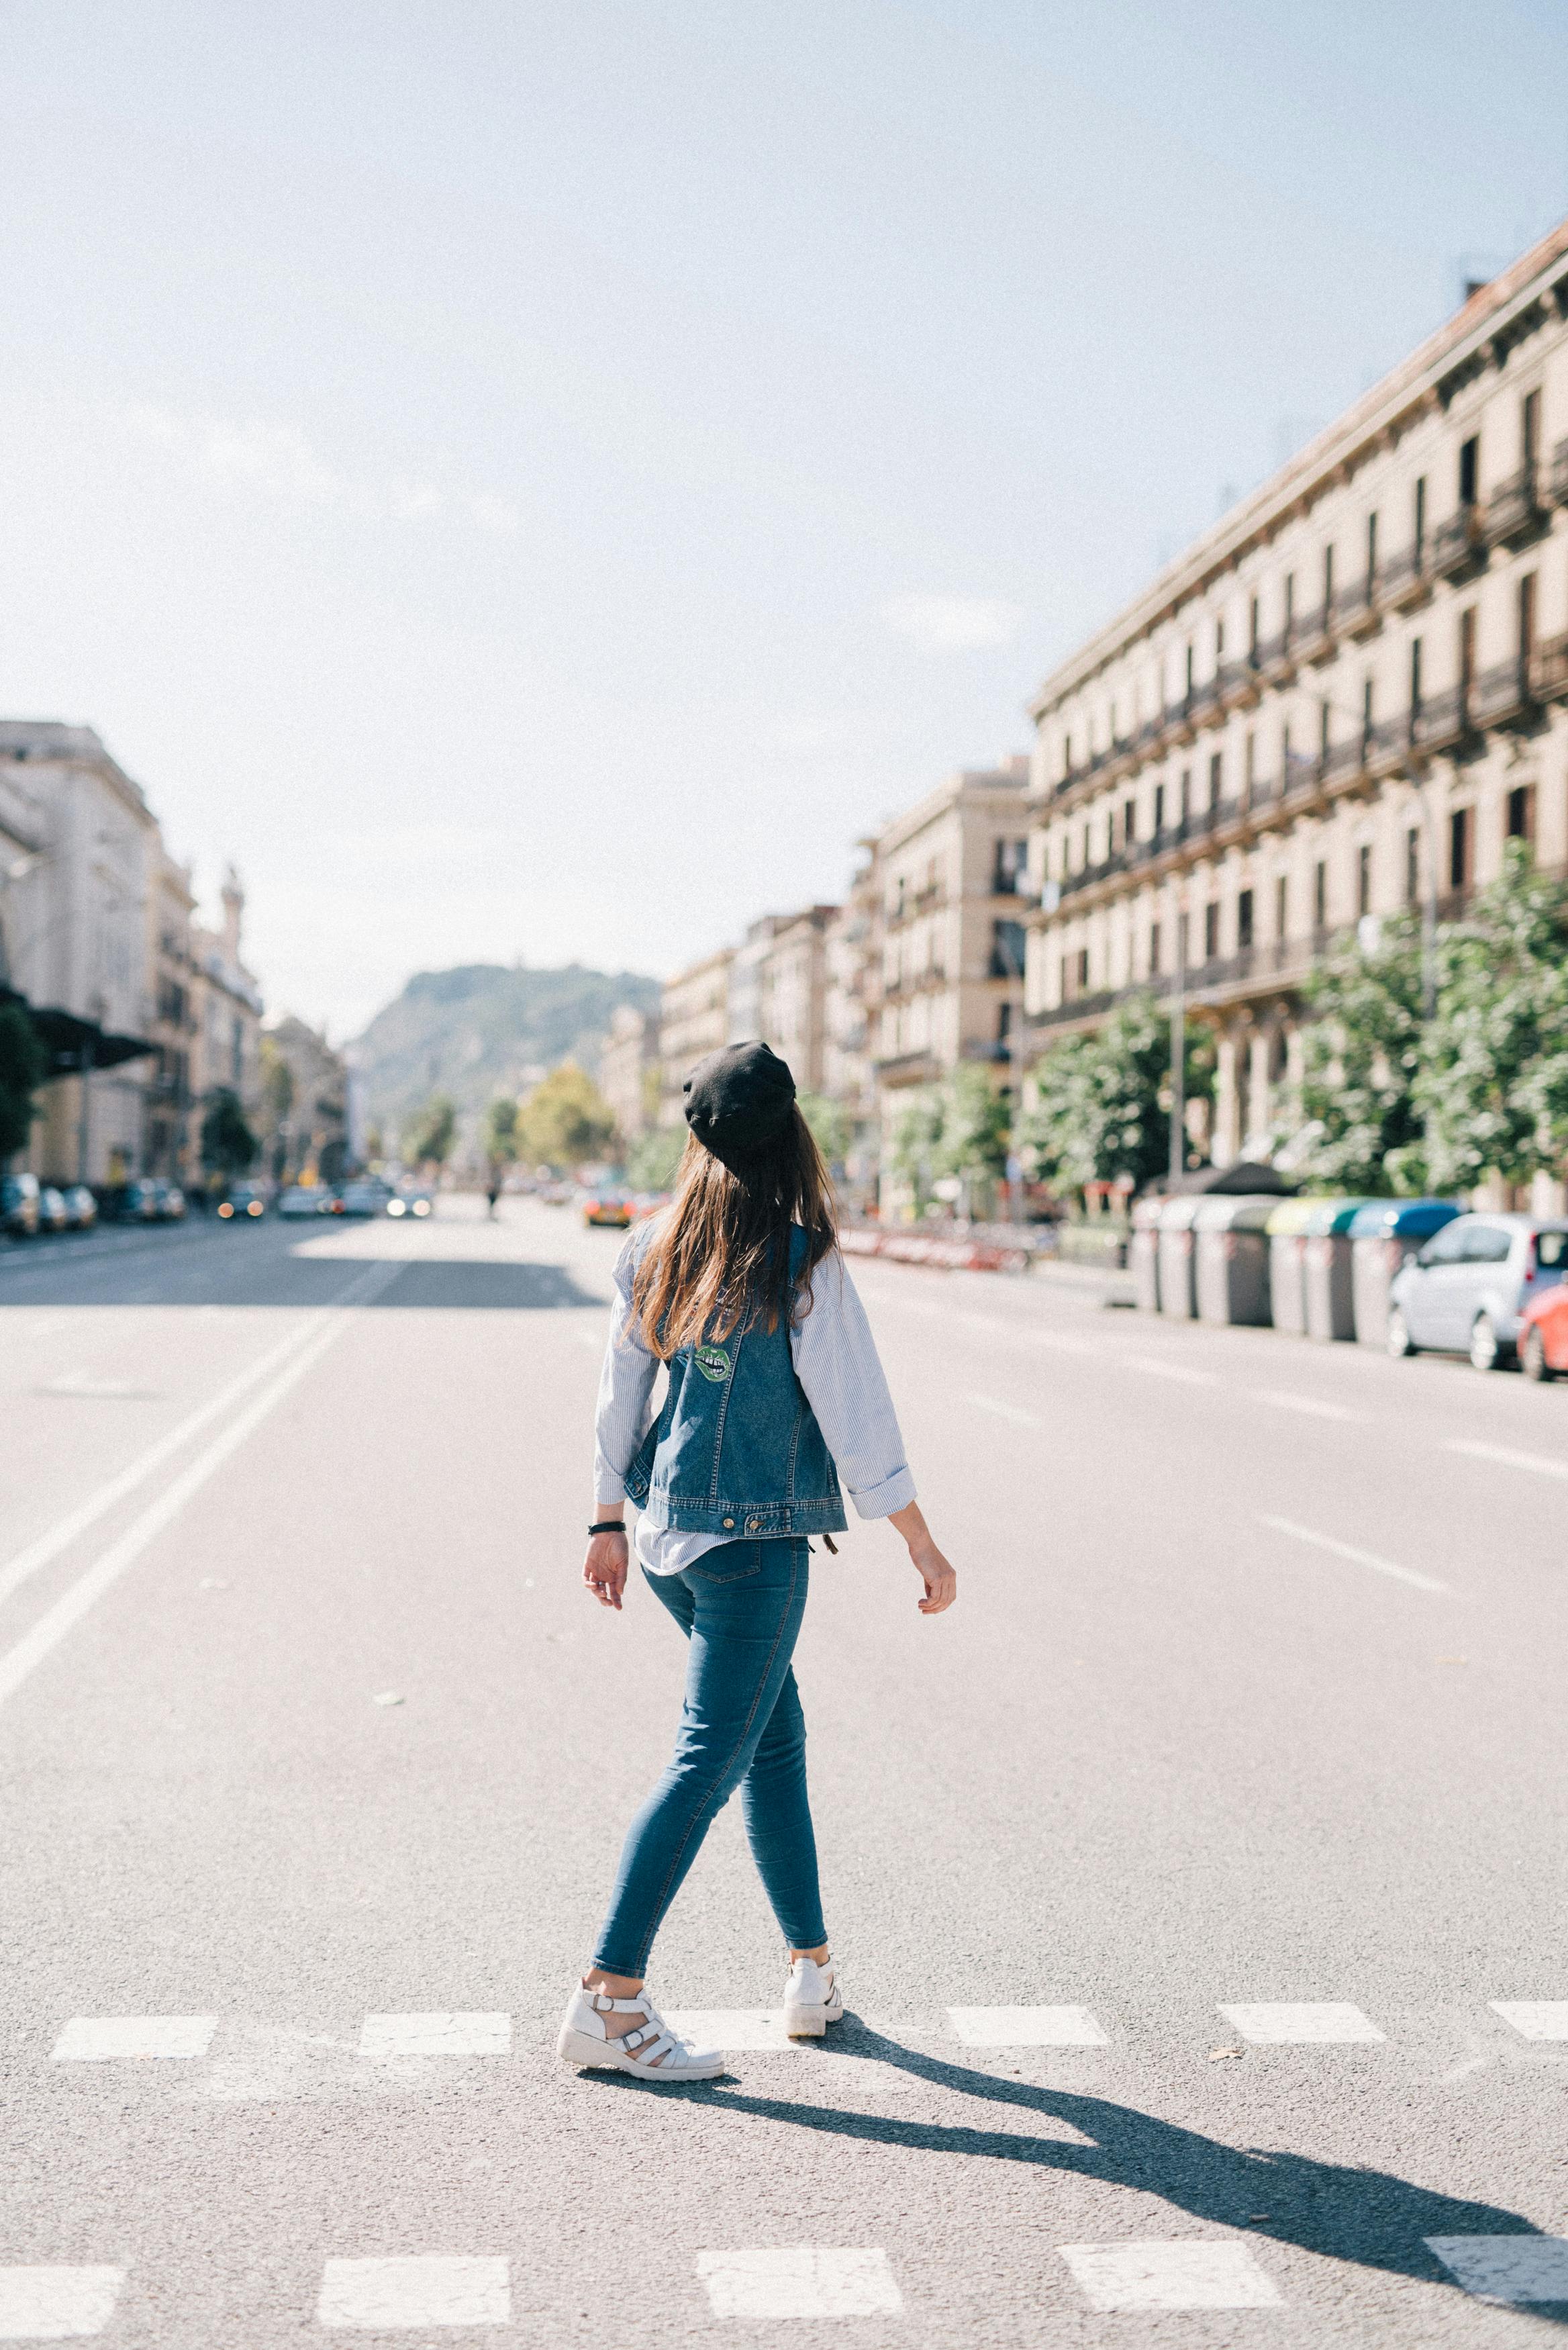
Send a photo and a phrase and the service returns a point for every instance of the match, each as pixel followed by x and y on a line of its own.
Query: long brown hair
pixel 720 1257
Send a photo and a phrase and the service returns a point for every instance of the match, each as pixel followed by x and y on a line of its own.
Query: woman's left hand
pixel 604 1569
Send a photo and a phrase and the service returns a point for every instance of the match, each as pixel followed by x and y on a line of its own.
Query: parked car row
pixel 366 1196
pixel 1402 1275
pixel 28 1207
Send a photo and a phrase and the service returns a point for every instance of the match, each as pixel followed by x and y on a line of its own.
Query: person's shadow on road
pixel 1345 2213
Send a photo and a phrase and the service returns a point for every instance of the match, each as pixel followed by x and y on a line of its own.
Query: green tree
pixel 431 1132
pixel 829 1124
pixel 1493 1086
pixel 652 1161
pixel 23 1064
pixel 975 1128
pixel 916 1137
pixel 501 1131
pixel 1101 1110
pixel 1362 1061
pixel 564 1119
pixel 228 1146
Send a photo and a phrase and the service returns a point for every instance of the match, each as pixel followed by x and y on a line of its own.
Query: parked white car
pixel 1465 1290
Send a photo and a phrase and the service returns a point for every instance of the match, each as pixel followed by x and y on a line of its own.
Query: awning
pixel 69 1041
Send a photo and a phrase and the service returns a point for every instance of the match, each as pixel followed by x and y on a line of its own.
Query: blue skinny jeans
pixel 742 1726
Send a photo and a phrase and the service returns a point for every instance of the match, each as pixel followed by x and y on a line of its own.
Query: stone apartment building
pixel 630 1070
pixel 306 1095
pixel 693 1019
pixel 1343 700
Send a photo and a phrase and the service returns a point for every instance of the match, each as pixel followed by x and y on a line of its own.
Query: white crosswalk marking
pixel 1534 2018
pixel 730 2028
pixel 103 2039
pixel 800 2281
pixel 421 2289
pixel 1026 2027
pixel 1543 1464
pixel 1506 2268
pixel 1195 2274
pixel 1301 2020
pixel 440 2034
pixel 50 2305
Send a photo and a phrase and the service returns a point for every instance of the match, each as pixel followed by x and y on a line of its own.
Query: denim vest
pixel 736 1449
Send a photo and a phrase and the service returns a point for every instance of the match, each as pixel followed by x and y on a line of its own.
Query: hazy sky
pixel 539 480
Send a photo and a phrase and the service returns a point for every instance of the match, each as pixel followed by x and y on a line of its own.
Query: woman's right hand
pixel 604 1568
pixel 940 1582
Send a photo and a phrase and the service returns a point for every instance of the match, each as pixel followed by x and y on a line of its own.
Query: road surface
pixel 1198 1882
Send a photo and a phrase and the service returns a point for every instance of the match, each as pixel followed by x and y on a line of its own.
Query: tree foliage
pixel 652 1161
pixel 564 1119
pixel 431 1132
pixel 501 1131
pixel 830 1125
pixel 228 1144
pixel 23 1064
pixel 1101 1099
pixel 1362 1056
pixel 960 1128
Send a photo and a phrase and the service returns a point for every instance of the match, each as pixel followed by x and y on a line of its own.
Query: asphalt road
pixel 1249 1722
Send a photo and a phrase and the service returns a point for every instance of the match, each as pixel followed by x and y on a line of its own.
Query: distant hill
pixel 483 1029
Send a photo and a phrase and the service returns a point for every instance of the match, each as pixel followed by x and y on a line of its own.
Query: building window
pixel 1281 905
pixel 1289 601
pixel 1418 532
pixel 1522 809
pixel 1210 931
pixel 1154 950
pixel 1250 766
pixel 1003 1025
pixel 1189 673
pixel 1320 896
pixel 1158 808
pixel 1243 922
pixel 1186 793
pixel 1366 693
pixel 1006 950
pixel 1412 864
pixel 1371 551
pixel 1529 431
pixel 1130 822
pixel 1461 830
pixel 1470 469
pixel 1364 878
pixel 1415 676
pixel 1327 581
pixel 1322 730
pixel 1067 756
pixel 1285 756
pixel 1527 612
pixel 1083 968
pixel 1467 651
pixel 1010 865
pixel 1216 777
pixel 1065 989
pixel 1254 624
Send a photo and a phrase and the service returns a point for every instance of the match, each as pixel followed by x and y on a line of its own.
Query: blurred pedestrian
pixel 775 1394
pixel 492 1193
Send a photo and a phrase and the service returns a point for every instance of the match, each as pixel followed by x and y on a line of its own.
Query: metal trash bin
pixel 1384 1235
pixel 1178 1266
pixel 1232 1248
pixel 1286 1232
pixel 1326 1264
pixel 1143 1253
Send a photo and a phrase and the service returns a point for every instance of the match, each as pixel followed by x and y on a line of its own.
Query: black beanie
pixel 738 1100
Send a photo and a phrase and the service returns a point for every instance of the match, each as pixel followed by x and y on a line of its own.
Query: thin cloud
pixel 953 624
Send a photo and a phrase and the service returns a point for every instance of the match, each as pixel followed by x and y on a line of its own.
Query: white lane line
pixel 1008 1411
pixel 801 2280
pixel 60 1535
pixel 1534 2018
pixel 74 1603
pixel 454 2035
pixel 1198 2273
pixel 1509 2269
pixel 49 2304
pixel 1284 1400
pixel 1027 2027
pixel 418 2289
pixel 1293 2022
pixel 1356 1557
pixel 110 2039
pixel 731 2029
pixel 1188 1378
pixel 1541 1462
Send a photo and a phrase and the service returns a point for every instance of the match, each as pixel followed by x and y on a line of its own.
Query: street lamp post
pixel 1179 1053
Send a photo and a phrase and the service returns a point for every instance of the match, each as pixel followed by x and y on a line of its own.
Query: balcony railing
pixel 1273 654
pixel 1549 668
pixel 1458 544
pixel 1312 635
pixel 1515 509
pixel 1356 607
pixel 1406 577
pixel 1441 721
pixel 1502 696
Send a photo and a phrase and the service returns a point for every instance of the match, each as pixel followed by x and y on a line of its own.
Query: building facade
pixel 632 1072
pixel 1343 700
pixel 304 1084
pixel 693 1019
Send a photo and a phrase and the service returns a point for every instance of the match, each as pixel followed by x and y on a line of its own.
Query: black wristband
pixel 608 1526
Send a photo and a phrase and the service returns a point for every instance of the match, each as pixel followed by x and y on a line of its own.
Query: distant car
pixel 615 1209
pixel 1543 1328
pixel 1469 1289
pixel 410 1203
pixel 243 1202
pixel 81 1208
pixel 365 1198
pixel 305 1200
pixel 135 1203
pixel 54 1216
pixel 170 1201
pixel 19 1205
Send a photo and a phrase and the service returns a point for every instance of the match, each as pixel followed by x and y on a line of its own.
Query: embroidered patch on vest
pixel 713 1362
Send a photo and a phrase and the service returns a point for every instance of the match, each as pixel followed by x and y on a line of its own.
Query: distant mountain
pixel 484 1029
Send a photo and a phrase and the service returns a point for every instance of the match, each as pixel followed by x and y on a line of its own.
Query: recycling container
pixel 1384 1235
pixel 1143 1253
pixel 1178 1293
pixel 1327 1267
pixel 1232 1247
pixel 1286 1231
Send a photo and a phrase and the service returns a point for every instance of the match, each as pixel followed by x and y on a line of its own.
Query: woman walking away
pixel 776 1393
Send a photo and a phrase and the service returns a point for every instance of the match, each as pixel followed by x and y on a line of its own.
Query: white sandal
pixel 812 2000
pixel 649 2051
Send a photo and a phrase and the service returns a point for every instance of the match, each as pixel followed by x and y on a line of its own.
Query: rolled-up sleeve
pixel 626 1388
pixel 837 1363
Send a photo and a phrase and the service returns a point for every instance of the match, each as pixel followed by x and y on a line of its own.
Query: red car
pixel 1543 1325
